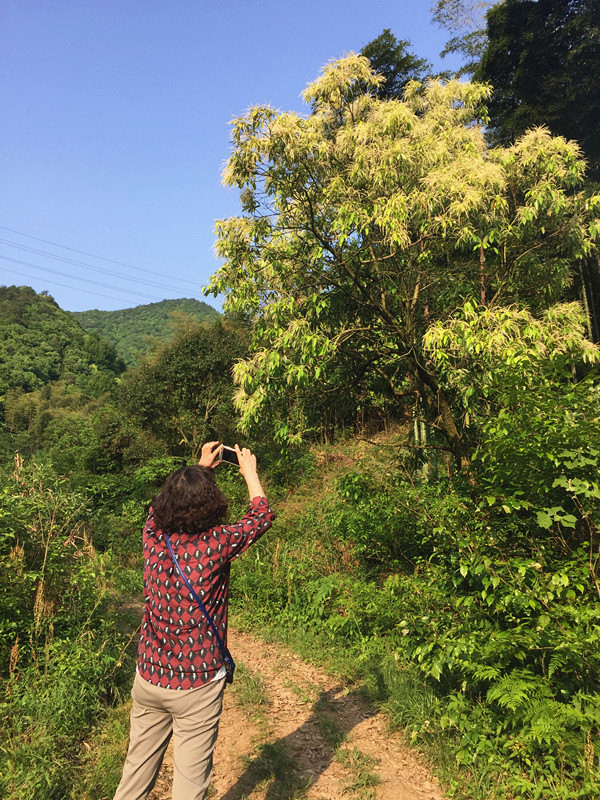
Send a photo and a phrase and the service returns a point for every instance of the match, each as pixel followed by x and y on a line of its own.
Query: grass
pixel 102 763
pixel 272 771
pixel 250 693
pixel 47 712
pixel 361 767
pixel 300 691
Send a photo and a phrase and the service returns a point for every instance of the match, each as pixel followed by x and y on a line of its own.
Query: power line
pixel 52 282
pixel 92 255
pixel 81 264
pixel 74 277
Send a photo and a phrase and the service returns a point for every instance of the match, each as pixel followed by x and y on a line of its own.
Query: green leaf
pixel 543 520
pixel 568 520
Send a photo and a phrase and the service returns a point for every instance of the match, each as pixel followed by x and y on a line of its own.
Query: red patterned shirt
pixel 177 649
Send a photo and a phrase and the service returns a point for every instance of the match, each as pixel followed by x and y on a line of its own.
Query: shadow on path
pixel 295 762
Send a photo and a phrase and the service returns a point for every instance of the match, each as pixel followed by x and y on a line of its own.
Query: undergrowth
pixel 476 629
pixel 470 615
pixel 62 649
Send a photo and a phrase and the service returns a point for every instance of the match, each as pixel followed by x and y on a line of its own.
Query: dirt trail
pixel 313 740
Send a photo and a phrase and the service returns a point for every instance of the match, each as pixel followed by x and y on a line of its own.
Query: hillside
pixel 134 331
pixel 40 343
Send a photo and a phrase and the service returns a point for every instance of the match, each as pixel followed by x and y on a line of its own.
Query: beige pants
pixel 191 716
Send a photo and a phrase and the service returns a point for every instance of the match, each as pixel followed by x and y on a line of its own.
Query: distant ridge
pixel 41 343
pixel 136 331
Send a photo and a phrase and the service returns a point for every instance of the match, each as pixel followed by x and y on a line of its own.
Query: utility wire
pixel 74 277
pixel 52 282
pixel 92 255
pixel 82 264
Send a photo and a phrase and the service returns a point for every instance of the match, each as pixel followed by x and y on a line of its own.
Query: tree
pixel 184 394
pixel 526 385
pixel 465 19
pixel 39 343
pixel 368 220
pixel 390 57
pixel 542 59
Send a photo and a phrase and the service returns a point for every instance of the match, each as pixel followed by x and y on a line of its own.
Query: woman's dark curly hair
pixel 190 501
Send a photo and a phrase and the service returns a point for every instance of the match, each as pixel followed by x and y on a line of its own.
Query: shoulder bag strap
pixel 227 657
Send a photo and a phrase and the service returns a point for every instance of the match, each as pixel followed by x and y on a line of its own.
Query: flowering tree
pixel 367 220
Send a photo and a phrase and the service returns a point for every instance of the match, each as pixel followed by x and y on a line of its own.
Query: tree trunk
pixel 438 407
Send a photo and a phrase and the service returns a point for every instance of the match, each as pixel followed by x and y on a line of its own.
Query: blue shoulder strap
pixel 227 657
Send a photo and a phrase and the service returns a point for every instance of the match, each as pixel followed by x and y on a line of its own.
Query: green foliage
pixel 40 343
pixel 184 395
pixel 465 19
pixel 377 509
pixel 365 222
pixel 512 643
pixel 77 433
pixel 390 57
pixel 135 332
pixel 537 424
pixel 59 649
pixel 55 418
pixel 468 601
pixel 52 580
pixel 46 710
pixel 483 643
pixel 122 443
pixel 102 764
pixel 542 58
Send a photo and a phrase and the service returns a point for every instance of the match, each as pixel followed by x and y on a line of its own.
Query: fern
pixel 484 672
pixel 514 689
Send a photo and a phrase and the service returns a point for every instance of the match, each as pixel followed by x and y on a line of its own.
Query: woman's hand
pixel 209 454
pixel 247 462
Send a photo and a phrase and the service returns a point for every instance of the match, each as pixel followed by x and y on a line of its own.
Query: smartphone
pixel 228 455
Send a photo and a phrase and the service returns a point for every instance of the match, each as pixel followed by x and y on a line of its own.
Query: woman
pixel 180 677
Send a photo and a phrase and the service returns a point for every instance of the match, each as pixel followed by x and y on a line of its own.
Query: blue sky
pixel 115 128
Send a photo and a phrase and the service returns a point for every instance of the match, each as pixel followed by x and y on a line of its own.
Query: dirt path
pixel 291 733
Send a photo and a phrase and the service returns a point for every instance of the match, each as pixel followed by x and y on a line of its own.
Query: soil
pixel 299 731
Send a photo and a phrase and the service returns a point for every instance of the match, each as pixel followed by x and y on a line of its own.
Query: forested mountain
pixel 134 331
pixel 40 343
